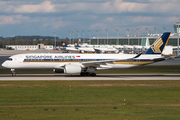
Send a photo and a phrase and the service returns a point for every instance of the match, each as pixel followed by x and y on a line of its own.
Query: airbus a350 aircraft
pixel 86 64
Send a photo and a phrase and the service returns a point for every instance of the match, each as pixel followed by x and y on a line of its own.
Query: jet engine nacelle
pixel 58 70
pixel 72 69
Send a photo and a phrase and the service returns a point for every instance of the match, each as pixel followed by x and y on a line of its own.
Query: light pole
pixel 155 29
pixel 138 29
pixel 117 36
pixel 97 37
pixel 73 35
pixel 89 35
pixel 69 37
pixel 135 34
pixel 78 36
pixel 164 28
pixel 83 35
pixel 140 33
pixel 107 35
pixel 147 29
pixel 128 30
pixel 55 39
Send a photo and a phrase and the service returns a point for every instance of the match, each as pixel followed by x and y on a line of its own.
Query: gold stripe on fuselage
pixel 134 62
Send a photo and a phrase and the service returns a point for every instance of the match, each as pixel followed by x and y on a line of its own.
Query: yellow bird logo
pixel 157 45
pixel 75 44
pixel 63 44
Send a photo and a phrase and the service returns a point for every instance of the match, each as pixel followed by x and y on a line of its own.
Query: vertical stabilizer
pixel 76 44
pixel 158 46
pixel 63 44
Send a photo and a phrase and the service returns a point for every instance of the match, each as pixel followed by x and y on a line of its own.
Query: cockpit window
pixel 10 59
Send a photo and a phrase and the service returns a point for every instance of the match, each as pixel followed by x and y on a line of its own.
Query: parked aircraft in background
pixel 105 49
pixel 76 47
pixel 86 64
pixel 86 49
pixel 69 48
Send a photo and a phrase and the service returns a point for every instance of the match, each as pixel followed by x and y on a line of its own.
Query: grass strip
pixel 102 100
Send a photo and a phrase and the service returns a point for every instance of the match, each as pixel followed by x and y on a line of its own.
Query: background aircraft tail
pixel 76 44
pixel 158 46
pixel 63 44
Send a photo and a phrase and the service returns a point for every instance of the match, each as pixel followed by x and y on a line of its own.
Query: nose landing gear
pixel 13 72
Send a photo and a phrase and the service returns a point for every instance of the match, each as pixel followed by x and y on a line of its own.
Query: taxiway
pixel 98 77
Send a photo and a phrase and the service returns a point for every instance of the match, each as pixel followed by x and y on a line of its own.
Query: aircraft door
pixel 20 59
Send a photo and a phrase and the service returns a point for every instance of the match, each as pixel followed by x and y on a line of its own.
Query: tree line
pixel 19 41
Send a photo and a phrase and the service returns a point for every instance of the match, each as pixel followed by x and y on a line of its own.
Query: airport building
pixel 133 40
pixel 138 40
pixel 29 47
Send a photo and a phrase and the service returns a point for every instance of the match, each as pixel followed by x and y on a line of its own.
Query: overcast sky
pixel 43 17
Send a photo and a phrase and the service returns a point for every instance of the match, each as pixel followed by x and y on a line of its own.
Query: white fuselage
pixel 86 49
pixel 57 61
pixel 106 49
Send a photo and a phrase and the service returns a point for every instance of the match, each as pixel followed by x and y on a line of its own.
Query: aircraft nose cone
pixel 4 64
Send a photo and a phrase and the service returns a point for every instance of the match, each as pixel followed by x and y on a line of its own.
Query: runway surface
pixel 98 77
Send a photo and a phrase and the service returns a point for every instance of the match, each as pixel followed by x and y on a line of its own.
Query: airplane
pixel 86 49
pixel 83 49
pixel 86 64
pixel 80 49
pixel 76 47
pixel 69 48
pixel 105 49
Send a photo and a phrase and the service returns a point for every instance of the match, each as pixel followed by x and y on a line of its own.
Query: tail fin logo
pixel 63 44
pixel 75 44
pixel 157 45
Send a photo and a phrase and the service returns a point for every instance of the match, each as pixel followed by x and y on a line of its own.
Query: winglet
pixel 63 44
pixel 158 46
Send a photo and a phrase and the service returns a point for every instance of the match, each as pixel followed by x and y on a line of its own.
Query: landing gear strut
pixel 13 72
pixel 87 74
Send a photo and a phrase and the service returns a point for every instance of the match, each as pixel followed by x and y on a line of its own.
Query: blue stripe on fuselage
pixel 84 60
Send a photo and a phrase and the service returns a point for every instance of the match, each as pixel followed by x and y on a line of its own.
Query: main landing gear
pixel 87 74
pixel 13 72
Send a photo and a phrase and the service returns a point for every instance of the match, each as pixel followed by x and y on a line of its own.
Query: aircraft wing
pixel 91 63
pixel 105 62
pixel 98 63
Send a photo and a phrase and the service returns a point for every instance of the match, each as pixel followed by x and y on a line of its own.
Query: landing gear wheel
pixel 93 74
pixel 82 74
pixel 87 74
pixel 13 72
